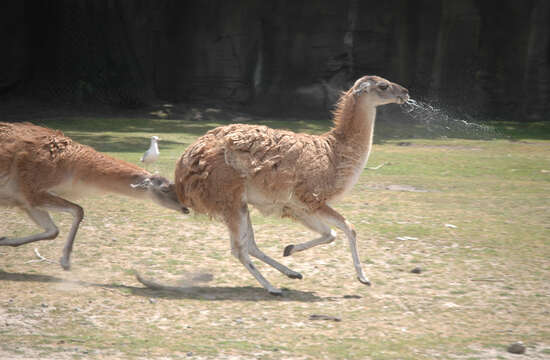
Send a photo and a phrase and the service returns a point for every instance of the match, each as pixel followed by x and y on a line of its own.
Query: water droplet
pixel 440 122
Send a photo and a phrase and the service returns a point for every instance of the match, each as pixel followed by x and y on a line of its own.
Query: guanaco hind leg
pixel 257 253
pixel 240 233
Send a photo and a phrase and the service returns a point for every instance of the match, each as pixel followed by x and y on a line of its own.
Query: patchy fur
pixel 281 172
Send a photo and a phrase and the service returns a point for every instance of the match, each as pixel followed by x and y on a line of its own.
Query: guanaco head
pixel 379 91
pixel 161 191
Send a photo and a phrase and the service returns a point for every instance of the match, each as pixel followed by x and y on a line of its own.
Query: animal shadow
pixel 213 293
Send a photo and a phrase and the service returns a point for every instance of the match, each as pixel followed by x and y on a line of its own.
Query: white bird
pixel 152 154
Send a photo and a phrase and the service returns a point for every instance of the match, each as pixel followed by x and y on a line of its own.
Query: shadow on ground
pixel 213 293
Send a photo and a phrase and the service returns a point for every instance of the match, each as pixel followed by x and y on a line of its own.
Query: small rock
pixel 44 305
pixel 152 301
pixel 190 353
pixel 450 305
pixel 405 238
pixel 451 226
pixel 351 297
pixel 516 348
pixel 324 317
pixel 416 270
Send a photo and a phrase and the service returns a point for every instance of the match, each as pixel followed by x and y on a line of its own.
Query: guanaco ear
pixel 364 87
pixel 144 185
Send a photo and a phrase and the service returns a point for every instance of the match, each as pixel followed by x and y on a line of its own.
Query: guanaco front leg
pixel 42 219
pixel 315 223
pixel 335 219
pixel 40 216
pixel 319 222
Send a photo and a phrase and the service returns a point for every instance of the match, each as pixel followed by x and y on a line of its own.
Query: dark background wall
pixel 488 57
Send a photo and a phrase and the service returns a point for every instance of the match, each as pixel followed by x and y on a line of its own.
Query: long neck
pixel 351 140
pixel 106 173
pixel 354 124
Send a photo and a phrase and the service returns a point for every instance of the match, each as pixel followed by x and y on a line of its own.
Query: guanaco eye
pixel 383 87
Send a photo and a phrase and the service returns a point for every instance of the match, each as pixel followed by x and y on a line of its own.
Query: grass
pixel 483 285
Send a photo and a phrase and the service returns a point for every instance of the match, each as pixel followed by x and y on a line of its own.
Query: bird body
pixel 152 154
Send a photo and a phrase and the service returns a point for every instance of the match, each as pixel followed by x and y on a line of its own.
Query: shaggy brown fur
pixel 284 173
pixel 37 164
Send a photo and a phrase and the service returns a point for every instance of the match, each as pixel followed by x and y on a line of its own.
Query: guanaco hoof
pixel 295 276
pixel 65 264
pixel 288 250
pixel 364 281
pixel 276 292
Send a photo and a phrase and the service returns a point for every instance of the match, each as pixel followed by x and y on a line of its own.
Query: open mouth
pixel 402 99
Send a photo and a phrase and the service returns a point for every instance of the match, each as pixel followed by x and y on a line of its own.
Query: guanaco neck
pixel 106 173
pixel 353 126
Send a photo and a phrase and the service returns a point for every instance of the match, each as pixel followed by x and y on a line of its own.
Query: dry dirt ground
pixel 473 216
